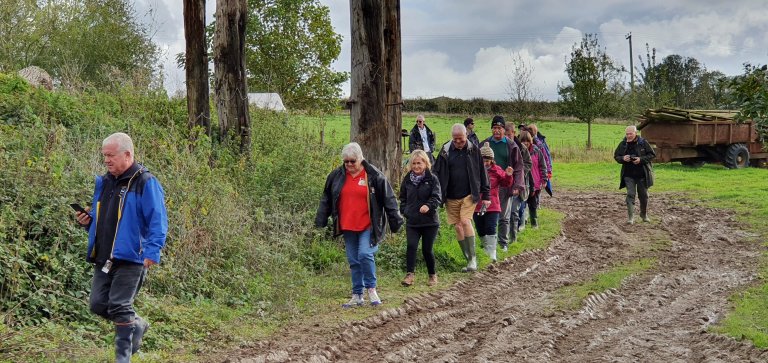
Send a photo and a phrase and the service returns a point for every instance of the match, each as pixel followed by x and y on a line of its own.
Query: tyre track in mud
pixel 505 313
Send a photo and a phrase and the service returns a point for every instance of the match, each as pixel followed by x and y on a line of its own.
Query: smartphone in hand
pixel 78 208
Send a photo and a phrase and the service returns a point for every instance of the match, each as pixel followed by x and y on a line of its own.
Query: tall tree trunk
pixel 394 89
pixel 196 65
pixel 375 83
pixel 229 67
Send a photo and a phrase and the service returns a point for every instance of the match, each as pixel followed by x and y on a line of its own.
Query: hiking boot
pixel 408 280
pixel 374 297
pixel 432 280
pixel 140 328
pixel 355 301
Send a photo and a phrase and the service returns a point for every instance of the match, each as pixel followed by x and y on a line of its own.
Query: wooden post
pixel 375 83
pixel 196 66
pixel 229 68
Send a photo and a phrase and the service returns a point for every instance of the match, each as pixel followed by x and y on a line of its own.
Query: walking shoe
pixel 355 301
pixel 432 280
pixel 374 297
pixel 408 280
pixel 521 228
pixel 140 328
pixel 504 248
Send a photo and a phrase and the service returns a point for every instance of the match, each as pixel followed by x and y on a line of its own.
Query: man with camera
pixel 635 155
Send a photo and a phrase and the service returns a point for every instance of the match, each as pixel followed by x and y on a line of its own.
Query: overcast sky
pixel 464 49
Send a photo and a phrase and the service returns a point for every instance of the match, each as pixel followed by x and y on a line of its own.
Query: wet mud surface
pixel 506 313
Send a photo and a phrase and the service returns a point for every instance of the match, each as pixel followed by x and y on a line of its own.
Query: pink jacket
pixel 538 167
pixel 498 178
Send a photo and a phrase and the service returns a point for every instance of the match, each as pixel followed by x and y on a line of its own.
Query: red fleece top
pixel 353 203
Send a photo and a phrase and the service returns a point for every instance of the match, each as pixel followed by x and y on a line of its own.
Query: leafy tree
pixel 290 46
pixel 80 42
pixel 749 93
pixel 680 82
pixel 595 83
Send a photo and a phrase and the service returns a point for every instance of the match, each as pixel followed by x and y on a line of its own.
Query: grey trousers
pixel 637 186
pixel 509 203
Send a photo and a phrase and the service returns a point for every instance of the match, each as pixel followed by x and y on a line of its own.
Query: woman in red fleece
pixel 486 220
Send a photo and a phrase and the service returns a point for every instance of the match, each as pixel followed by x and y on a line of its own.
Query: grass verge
pixel 571 297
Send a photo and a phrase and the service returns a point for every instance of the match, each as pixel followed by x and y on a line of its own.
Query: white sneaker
pixel 374 297
pixel 355 301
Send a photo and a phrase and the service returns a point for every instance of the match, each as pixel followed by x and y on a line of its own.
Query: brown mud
pixel 506 313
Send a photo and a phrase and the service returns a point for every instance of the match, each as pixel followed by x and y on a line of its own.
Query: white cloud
pixel 462 48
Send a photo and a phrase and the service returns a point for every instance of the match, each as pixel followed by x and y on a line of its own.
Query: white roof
pixel 270 101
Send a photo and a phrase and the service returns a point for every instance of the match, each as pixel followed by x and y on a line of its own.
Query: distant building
pixel 269 101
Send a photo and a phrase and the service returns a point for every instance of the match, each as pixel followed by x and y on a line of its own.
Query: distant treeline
pixel 479 106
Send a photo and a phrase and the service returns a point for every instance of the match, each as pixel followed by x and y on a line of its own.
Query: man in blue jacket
pixel 127 225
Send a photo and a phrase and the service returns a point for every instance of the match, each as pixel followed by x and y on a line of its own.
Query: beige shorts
pixel 459 209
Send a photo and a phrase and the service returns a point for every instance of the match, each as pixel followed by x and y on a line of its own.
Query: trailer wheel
pixel 693 163
pixel 737 156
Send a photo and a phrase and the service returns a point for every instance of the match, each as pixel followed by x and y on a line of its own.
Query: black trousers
pixel 427 236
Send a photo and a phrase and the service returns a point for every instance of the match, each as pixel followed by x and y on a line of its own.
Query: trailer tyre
pixel 736 156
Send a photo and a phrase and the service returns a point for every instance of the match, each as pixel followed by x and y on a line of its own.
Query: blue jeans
pixel 360 257
pixel 112 293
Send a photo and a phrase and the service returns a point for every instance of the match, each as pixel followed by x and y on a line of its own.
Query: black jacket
pixel 412 197
pixel 382 202
pixel 472 137
pixel 646 154
pixel 416 143
pixel 478 178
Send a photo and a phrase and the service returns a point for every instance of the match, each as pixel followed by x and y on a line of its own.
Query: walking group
pixel 489 188
pixel 494 184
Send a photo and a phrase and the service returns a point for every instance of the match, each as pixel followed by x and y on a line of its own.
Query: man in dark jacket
pixel 130 197
pixel 635 155
pixel 507 153
pixel 469 123
pixel 422 138
pixel 464 183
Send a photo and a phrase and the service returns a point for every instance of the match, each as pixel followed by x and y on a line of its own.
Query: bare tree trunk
pixel 394 120
pixel 229 69
pixel 196 65
pixel 375 83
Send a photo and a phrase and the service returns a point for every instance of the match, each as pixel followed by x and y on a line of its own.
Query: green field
pixel 744 191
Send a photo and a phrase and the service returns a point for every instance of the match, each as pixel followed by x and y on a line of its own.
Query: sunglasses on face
pixel 350 161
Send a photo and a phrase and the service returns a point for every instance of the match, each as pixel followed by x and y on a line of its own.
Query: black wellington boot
pixel 123 336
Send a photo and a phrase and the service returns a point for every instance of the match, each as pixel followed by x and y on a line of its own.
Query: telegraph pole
pixel 631 67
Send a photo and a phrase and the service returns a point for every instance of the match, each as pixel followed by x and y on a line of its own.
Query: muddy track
pixel 505 313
